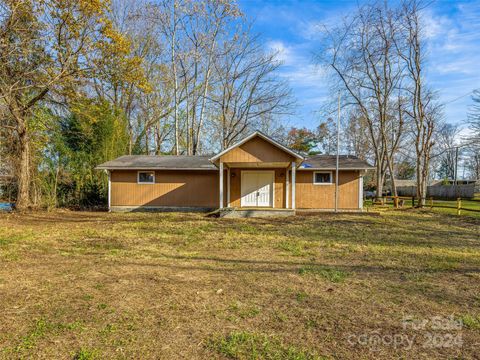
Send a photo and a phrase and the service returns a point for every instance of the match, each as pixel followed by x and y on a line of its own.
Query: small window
pixel 146 177
pixel 322 178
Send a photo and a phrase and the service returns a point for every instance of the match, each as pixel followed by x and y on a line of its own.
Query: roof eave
pixel 150 168
pixel 333 168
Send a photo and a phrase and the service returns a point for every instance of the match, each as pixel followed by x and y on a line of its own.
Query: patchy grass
pixel 97 285
pixel 471 322
pixel 247 345
pixel 330 274
pixel 86 354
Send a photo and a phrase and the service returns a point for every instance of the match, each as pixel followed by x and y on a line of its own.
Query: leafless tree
pixel 445 138
pixel 363 55
pixel 423 109
pixel 247 88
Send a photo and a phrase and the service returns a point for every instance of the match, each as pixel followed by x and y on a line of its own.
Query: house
pixel 255 173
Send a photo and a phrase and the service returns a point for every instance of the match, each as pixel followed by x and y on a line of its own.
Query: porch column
pixel 287 183
pixel 220 167
pixel 109 174
pixel 360 191
pixel 228 187
pixel 294 166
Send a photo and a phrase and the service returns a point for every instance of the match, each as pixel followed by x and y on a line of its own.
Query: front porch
pixel 257 174
pixel 263 187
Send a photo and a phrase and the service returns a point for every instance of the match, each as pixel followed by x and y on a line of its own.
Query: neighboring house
pixel 257 172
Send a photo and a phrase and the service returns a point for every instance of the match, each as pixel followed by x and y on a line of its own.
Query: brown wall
pixel 172 188
pixel 310 196
pixel 256 150
pixel 200 189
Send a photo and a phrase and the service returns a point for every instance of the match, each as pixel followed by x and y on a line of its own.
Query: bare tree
pixel 247 89
pixel 423 110
pixel 363 55
pixel 445 138
pixel 474 118
pixel 205 34
pixel 356 137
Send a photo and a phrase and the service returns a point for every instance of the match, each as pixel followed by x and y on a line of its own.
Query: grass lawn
pixel 78 285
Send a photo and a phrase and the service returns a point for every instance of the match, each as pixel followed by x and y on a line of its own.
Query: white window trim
pixel 323 172
pixel 145 183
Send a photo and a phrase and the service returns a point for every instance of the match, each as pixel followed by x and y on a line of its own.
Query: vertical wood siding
pixel 171 188
pixel 256 150
pixel 310 196
pixel 201 189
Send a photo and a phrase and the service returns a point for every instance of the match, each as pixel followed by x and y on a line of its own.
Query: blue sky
pixel 291 27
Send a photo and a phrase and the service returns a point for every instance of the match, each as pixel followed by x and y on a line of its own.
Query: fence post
pixel 431 202
pixel 413 201
pixel 459 205
pixel 395 202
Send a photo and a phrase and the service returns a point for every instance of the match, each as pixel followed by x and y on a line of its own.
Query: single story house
pixel 255 173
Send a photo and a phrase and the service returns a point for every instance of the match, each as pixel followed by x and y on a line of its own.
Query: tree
pixel 423 110
pixel 405 170
pixel 247 88
pixel 363 56
pixel 92 133
pixel 445 140
pixel 473 148
pixel 474 118
pixel 120 72
pixel 302 140
pixel 45 49
pixel 327 136
pixel 356 136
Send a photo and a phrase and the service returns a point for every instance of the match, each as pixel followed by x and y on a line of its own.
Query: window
pixel 322 178
pixel 146 177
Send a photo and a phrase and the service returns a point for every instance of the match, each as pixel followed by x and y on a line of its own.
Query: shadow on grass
pixel 264 266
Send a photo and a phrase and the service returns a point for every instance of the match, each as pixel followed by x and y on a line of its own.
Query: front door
pixel 257 188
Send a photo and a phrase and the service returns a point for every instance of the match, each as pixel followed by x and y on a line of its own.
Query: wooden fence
pixel 438 191
pixel 412 201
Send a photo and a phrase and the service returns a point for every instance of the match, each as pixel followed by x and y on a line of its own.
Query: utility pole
pixel 456 166
pixel 338 149
pixel 456 171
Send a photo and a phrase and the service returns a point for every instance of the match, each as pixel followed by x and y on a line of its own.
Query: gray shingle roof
pixel 163 162
pixel 328 162
pixel 172 162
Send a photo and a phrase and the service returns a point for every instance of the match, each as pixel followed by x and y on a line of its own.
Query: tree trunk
pixel 379 181
pixel 392 179
pixel 421 190
pixel 23 175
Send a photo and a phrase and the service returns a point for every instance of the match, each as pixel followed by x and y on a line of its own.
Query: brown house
pixel 255 173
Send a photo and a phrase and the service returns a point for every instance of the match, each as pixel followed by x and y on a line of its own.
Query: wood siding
pixel 183 188
pixel 171 188
pixel 311 196
pixel 257 150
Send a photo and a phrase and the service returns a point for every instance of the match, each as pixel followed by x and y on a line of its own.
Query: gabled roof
pixel 161 162
pixel 264 137
pixel 328 162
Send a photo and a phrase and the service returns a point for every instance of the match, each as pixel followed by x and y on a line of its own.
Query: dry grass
pixel 96 285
